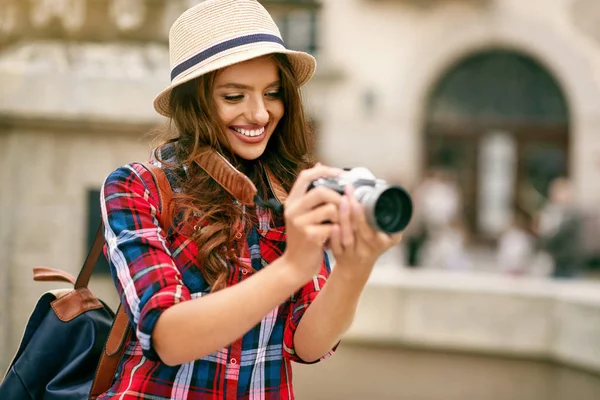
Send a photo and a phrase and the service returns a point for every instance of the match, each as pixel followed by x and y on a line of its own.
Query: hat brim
pixel 303 64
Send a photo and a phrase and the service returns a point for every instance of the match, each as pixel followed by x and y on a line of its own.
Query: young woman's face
pixel 249 104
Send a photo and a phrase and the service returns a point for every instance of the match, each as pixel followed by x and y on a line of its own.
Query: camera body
pixel 388 208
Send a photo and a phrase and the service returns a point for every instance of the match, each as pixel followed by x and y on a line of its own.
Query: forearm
pixel 329 316
pixel 195 328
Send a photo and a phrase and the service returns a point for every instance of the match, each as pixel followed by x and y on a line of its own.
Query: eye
pixel 274 94
pixel 233 97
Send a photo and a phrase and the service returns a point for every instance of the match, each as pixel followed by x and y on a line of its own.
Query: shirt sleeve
pixel 298 305
pixel 145 275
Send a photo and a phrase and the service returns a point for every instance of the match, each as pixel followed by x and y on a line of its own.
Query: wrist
pixel 292 272
pixel 353 273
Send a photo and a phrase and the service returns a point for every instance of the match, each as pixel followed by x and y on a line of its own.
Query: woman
pixel 223 300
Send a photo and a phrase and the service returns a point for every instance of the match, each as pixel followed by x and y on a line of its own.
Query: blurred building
pixel 503 93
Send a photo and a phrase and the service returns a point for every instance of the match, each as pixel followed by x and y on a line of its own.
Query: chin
pixel 248 158
pixel 249 155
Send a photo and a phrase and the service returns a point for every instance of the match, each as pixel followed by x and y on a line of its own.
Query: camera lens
pixel 393 209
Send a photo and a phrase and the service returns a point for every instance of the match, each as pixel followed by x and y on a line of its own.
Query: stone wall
pixel 6 226
pixel 96 20
pixel 482 313
pixel 51 171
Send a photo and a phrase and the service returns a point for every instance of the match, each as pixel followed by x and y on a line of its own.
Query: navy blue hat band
pixel 227 45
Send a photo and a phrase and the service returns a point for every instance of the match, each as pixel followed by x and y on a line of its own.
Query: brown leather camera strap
pixel 226 175
pixel 121 329
pixel 233 181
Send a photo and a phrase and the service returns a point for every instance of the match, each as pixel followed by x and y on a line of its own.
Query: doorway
pixel 498 122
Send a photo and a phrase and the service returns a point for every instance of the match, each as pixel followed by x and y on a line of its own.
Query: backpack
pixel 73 342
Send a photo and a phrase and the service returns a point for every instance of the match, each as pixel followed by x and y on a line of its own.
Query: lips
pixel 249 134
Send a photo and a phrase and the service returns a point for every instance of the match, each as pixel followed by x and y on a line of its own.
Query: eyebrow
pixel 245 87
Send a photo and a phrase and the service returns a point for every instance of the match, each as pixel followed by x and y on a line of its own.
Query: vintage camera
pixel 388 208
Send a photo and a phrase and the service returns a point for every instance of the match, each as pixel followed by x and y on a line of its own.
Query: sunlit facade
pixel 402 86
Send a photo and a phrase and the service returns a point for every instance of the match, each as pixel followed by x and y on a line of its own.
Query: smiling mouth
pixel 250 133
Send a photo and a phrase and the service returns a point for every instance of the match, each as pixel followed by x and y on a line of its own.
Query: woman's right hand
pixel 309 220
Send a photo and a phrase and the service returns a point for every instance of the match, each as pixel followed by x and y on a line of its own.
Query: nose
pixel 259 114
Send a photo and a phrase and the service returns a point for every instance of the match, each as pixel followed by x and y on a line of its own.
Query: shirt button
pixel 233 361
pixel 244 271
pixel 238 235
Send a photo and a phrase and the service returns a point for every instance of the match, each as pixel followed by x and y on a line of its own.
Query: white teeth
pixel 249 133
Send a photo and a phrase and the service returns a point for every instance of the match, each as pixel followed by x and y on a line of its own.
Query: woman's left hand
pixel 355 244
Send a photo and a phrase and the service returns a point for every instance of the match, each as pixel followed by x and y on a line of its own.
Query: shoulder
pixel 131 180
pixel 129 174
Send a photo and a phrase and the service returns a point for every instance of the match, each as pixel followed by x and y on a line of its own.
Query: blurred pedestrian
pixel 559 227
pixel 517 246
pixel 438 234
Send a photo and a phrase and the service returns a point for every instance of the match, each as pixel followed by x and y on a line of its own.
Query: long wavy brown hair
pixel 194 126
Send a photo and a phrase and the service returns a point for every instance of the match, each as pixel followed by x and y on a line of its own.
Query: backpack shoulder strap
pixel 121 329
pixel 165 193
pixel 166 208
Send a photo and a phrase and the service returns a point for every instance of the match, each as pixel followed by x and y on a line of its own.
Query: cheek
pixel 224 113
pixel 278 111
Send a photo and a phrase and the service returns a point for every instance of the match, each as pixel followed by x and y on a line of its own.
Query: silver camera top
pixel 351 176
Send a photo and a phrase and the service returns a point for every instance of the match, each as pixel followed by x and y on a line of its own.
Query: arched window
pixel 498 121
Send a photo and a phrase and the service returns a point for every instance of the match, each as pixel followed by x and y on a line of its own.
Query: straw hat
pixel 217 33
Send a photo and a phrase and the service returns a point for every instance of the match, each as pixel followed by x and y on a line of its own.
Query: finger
pixel 391 239
pixel 317 197
pixel 349 189
pixel 346 230
pixel 310 201
pixel 336 240
pixel 306 177
pixel 325 213
pixel 363 229
pixel 385 241
pixel 397 237
pixel 319 234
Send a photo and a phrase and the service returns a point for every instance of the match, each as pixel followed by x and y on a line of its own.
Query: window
pixel 297 22
pixel 498 121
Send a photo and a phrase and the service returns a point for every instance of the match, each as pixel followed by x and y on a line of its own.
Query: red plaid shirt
pixel 154 270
